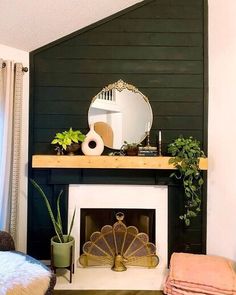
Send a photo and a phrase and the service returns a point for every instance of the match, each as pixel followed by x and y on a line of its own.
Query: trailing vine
pixel 186 153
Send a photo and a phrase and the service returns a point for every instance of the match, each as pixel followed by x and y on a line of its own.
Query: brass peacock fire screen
pixel 119 246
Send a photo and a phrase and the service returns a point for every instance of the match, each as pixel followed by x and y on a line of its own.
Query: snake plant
pixel 56 221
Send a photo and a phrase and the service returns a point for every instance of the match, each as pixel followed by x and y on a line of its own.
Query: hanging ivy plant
pixel 186 153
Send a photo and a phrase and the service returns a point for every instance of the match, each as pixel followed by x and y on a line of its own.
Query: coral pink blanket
pixel 200 274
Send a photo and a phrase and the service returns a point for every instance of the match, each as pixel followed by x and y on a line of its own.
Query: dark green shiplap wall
pixel 158 46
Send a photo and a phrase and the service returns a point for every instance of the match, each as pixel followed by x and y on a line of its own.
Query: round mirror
pixel 120 112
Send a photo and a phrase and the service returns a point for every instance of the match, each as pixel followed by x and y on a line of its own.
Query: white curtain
pixel 11 83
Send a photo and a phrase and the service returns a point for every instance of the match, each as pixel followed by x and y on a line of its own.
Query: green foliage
pixel 57 223
pixel 67 137
pixel 130 149
pixel 185 157
pixel 132 145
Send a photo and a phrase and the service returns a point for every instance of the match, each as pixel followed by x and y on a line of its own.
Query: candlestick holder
pixel 147 150
pixel 159 143
pixel 148 138
pixel 159 149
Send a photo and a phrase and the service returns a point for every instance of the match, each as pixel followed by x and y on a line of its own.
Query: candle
pixel 159 142
pixel 148 126
pixel 159 136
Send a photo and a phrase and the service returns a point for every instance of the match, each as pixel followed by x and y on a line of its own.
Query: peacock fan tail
pixel 119 246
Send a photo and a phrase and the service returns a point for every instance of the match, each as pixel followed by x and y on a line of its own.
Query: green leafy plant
pixel 131 149
pixel 186 153
pixel 56 221
pixel 67 137
pixel 131 145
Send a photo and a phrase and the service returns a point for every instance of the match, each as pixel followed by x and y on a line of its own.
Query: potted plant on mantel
pixel 62 245
pixel 68 140
pixel 186 153
pixel 130 149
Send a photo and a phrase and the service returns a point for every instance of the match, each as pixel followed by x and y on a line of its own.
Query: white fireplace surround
pixel 127 197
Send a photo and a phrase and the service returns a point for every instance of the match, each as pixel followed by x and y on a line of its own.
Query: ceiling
pixel 30 24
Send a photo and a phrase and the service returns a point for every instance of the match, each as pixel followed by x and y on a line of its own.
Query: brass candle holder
pixel 147 150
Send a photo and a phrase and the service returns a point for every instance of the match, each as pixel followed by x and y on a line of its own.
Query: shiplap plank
pixel 177 109
pixel 177 122
pixel 152 25
pixel 141 80
pixel 173 94
pixel 99 53
pixel 92 38
pixel 81 94
pixel 43 148
pixel 116 66
pixel 61 122
pixel 171 3
pixel 66 93
pixel 157 10
pixel 60 107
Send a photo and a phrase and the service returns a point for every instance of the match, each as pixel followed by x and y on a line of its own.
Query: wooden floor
pixel 106 292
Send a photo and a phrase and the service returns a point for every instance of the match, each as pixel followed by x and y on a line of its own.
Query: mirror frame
pixel 120 85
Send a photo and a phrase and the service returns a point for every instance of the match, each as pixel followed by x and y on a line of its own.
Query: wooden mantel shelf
pixel 105 162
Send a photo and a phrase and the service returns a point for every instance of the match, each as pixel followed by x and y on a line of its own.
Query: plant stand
pixel 70 267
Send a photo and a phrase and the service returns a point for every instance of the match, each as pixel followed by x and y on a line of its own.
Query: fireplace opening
pixel 93 219
pixel 147 198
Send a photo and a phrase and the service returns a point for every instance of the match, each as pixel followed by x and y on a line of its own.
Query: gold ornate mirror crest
pixel 120 112
pixel 119 246
pixel 121 85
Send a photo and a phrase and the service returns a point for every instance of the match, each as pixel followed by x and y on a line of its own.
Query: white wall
pixel 21 56
pixel 221 237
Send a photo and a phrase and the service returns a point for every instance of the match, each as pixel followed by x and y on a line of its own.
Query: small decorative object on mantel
pixel 186 153
pixel 93 144
pixel 68 141
pixel 159 143
pixel 147 150
pixel 130 149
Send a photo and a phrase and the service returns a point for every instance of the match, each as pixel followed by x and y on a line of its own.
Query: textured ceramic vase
pixel 93 144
